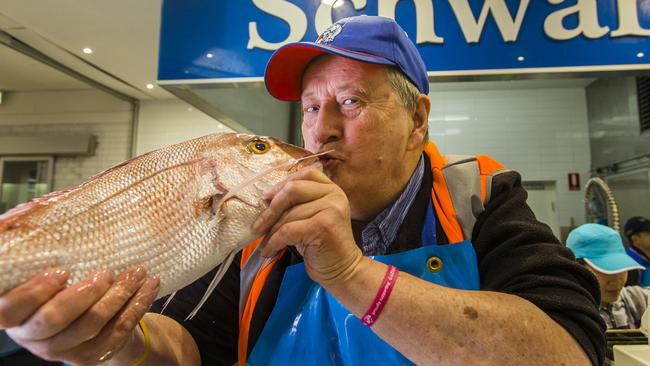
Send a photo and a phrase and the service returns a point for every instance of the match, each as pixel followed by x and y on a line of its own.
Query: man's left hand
pixel 311 212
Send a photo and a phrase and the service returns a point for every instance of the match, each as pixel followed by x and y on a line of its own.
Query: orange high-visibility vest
pixel 461 190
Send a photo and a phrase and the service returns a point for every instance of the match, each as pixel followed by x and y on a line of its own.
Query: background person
pixel 637 231
pixel 601 250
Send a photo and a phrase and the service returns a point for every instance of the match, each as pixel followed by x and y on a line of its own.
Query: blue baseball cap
pixel 637 224
pixel 602 248
pixel 372 39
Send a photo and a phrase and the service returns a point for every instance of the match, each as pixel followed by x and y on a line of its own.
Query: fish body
pixel 163 210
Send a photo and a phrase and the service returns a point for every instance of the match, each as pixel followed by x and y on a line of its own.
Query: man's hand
pixel 87 323
pixel 311 212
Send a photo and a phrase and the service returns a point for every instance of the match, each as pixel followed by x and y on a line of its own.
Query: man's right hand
pixel 86 323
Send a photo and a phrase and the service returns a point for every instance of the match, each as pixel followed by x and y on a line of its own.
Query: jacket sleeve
pixel 519 255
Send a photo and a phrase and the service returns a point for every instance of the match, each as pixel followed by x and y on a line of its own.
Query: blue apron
pixel 308 326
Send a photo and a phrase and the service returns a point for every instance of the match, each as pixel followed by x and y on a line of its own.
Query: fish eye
pixel 258 146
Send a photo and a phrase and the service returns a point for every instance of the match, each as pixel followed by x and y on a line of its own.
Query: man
pixel 637 231
pixel 600 249
pixel 363 87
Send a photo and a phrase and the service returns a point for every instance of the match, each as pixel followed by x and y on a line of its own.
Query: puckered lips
pixel 328 160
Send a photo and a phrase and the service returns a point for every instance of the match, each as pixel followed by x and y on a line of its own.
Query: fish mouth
pixel 301 157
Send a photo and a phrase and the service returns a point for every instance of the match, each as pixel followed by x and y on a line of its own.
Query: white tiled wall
pixel 84 111
pixel 542 133
pixel 113 148
pixel 165 122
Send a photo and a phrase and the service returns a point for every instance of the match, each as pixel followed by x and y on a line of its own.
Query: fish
pixel 178 211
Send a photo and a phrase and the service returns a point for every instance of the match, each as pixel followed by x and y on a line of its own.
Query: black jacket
pixel 516 255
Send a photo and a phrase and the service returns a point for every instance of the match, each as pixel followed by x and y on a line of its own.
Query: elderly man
pixel 423 258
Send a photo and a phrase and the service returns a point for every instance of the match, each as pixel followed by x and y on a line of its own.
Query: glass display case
pixel 23 179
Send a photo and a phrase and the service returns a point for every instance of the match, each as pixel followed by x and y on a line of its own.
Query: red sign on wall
pixel 574 181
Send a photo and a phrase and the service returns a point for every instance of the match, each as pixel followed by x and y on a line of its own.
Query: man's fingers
pixel 293 193
pixel 21 302
pixel 101 312
pixel 296 213
pixel 50 319
pixel 120 329
pixel 108 340
pixel 308 173
pixel 291 233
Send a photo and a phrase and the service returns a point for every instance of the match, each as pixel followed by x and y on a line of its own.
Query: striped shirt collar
pixel 382 230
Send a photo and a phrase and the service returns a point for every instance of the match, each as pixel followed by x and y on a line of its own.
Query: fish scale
pixel 153 210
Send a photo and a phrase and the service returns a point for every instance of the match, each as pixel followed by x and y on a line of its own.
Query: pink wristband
pixel 370 317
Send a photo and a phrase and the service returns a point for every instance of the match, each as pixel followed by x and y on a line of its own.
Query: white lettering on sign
pixel 472 28
pixel 424 19
pixel 586 12
pixel 290 13
pixel 323 18
pixel 628 20
pixel 588 26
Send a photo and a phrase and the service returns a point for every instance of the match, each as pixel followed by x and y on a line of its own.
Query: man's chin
pixel 331 173
pixel 611 298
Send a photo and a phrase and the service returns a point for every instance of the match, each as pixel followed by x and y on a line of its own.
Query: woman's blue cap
pixel 372 39
pixel 602 248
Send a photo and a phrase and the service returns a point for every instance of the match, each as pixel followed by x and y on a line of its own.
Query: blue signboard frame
pixel 207 41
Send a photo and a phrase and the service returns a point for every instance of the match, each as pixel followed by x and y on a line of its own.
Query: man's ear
pixel 420 119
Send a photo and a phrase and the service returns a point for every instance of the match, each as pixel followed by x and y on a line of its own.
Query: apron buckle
pixel 434 264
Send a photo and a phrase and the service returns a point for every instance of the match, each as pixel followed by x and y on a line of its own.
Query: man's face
pixel 642 241
pixel 610 285
pixel 350 106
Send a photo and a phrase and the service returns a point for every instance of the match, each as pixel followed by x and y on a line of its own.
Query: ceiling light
pixel 640 55
pixel 209 55
pixel 87 51
pixel 333 3
pixel 520 58
pixel 149 86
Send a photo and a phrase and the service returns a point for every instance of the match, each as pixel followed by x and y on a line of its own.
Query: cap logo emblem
pixel 330 33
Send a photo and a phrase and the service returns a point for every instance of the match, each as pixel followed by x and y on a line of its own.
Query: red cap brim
pixel 284 71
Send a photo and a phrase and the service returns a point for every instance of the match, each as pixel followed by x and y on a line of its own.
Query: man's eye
pixel 311 109
pixel 350 101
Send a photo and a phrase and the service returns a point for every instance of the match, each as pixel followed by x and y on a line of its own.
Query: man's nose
pixel 329 124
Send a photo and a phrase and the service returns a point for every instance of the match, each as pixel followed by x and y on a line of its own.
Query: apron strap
pixel 429 236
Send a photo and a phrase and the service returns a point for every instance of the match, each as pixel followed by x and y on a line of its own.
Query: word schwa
pixel 564 21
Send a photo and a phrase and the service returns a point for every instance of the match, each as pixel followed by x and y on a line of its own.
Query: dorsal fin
pixel 115 167
pixel 12 218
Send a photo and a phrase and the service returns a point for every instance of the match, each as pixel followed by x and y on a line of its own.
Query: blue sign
pixel 231 40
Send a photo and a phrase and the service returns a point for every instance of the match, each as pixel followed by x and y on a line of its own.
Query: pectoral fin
pixel 215 281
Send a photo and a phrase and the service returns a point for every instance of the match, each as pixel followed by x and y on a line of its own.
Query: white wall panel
pixel 613 110
pixel 76 112
pixel 542 133
pixel 165 122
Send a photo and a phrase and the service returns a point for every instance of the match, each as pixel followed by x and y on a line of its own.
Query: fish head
pixel 245 166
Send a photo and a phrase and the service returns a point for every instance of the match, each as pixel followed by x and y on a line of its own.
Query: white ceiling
pixel 19 73
pixel 123 35
pixel 511 84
